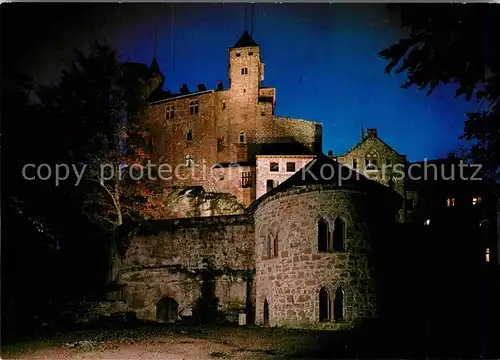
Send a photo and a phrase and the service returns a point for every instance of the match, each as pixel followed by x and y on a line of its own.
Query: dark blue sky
pixel 322 58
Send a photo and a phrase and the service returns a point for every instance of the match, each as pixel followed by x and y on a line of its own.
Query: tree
pixel 100 105
pixel 456 44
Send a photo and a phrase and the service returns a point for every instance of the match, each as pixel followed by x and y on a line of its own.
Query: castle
pixel 299 251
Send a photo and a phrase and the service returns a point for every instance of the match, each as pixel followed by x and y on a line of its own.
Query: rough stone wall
pixel 291 281
pixel 264 174
pixel 387 159
pixel 189 202
pixel 165 259
pixel 278 129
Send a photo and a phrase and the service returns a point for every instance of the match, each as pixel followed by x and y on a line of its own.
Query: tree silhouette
pixel 456 44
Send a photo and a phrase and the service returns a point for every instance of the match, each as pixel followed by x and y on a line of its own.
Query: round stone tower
pixel 313 236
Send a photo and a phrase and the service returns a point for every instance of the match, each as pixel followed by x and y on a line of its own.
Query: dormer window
pixel 244 71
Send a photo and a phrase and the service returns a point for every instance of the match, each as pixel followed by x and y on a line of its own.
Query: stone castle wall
pixel 291 281
pixel 167 258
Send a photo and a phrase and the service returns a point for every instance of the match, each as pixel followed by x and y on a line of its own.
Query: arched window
pixel 322 235
pixel 338 305
pixel 269 246
pixel 371 160
pixel 324 305
pixel 339 235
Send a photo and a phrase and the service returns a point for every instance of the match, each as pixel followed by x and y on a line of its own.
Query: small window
pixel 290 167
pixel 242 137
pixel 169 112
pixel 450 202
pixel 238 54
pixel 339 235
pixel 244 71
pixel 354 164
pixel 269 185
pixel 193 107
pixel 189 135
pixel 476 200
pixel 246 179
pixel 250 53
pixel 274 166
pixel 189 161
pixel 487 254
pixel 223 105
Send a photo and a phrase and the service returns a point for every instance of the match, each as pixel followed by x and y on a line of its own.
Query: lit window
pixel 193 107
pixel 244 71
pixel 242 137
pixel 427 222
pixel 487 254
pixel 274 166
pixel 290 167
pixel 169 112
pixel 450 202
pixel 476 200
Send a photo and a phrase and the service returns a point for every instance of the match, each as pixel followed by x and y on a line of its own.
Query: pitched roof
pixel 370 137
pixel 245 40
pixel 319 172
pixel 154 67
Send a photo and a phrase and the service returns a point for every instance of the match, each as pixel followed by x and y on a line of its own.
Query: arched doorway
pixel 338 305
pixel 167 310
pixel 324 305
pixel 266 313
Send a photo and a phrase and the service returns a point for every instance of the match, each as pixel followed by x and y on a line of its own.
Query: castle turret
pixel 246 70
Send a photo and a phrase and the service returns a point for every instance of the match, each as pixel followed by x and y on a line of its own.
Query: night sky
pixel 322 58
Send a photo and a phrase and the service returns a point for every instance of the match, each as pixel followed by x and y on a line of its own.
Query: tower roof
pixel 154 67
pixel 245 41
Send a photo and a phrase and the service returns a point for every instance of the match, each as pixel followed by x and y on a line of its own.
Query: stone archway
pixel 167 310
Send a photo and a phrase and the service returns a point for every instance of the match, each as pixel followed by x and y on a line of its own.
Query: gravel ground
pixel 175 344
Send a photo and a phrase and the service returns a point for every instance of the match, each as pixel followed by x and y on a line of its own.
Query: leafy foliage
pixel 455 44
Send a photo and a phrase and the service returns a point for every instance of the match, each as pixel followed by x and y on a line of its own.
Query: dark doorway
pixel 266 313
pixel 338 305
pixel 167 310
pixel 324 305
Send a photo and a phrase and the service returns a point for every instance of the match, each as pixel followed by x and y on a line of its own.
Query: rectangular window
pixel 274 166
pixel 169 112
pixel 246 179
pixel 223 105
pixel 242 137
pixel 354 164
pixel 189 135
pixel 244 71
pixel 269 185
pixel 193 107
pixel 290 167
pixel 450 202
pixel 476 200
pixel 487 254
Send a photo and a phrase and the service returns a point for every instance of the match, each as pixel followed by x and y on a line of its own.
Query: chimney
pixel 202 87
pixel 219 85
pixel 184 89
pixel 371 132
pixel 330 153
